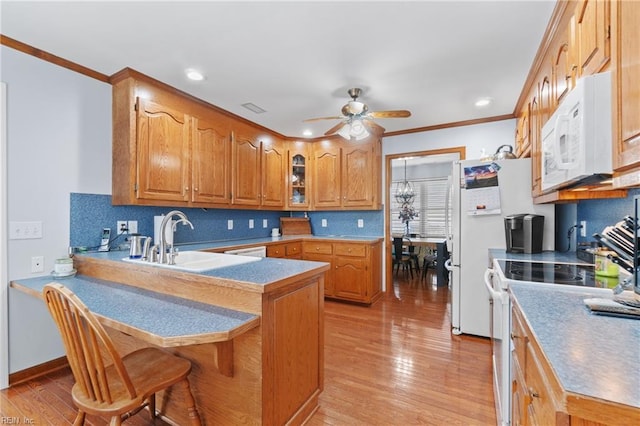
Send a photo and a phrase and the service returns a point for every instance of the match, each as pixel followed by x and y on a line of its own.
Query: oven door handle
pixel 498 296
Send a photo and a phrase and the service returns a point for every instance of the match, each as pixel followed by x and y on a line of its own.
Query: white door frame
pixel 4 282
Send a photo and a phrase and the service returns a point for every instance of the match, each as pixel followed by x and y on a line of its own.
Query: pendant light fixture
pixel 404 192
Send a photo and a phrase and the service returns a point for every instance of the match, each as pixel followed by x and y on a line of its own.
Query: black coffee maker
pixel 524 233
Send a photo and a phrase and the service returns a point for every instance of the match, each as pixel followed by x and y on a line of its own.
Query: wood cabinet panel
pixel 211 154
pixel 326 175
pixel 593 26
pixel 357 176
pixel 245 168
pixel 274 166
pixel 626 106
pixel 296 351
pixel 163 152
pixel 348 278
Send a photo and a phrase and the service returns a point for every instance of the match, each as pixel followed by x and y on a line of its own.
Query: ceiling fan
pixel 357 121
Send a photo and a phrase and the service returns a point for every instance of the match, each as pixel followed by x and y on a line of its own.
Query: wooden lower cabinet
pixel 538 398
pixel 355 273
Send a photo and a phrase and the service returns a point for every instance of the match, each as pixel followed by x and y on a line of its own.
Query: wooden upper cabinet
pixel 298 176
pixel 358 177
pixel 258 170
pixel 274 166
pixel 536 147
pixel 245 166
pixel 523 140
pixel 593 27
pixel 626 105
pixel 326 174
pixel 163 152
pixel 346 174
pixel 211 154
pixel 563 79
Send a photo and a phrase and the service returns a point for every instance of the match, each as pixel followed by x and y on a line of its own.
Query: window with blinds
pixel 430 202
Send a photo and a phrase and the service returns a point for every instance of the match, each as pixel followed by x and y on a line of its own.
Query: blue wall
pixel 605 212
pixel 90 213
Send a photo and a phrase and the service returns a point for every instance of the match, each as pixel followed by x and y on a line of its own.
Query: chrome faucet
pixel 162 255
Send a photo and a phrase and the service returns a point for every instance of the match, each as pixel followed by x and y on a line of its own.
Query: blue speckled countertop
pixel 261 273
pixel 148 311
pixel 593 355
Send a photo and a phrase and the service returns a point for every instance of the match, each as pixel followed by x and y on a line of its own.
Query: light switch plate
pixel 25 230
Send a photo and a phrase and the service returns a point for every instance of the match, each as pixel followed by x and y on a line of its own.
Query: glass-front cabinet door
pixel 298 176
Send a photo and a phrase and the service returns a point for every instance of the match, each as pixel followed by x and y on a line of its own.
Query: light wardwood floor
pixel 394 363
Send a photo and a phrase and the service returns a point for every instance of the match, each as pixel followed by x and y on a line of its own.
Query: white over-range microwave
pixel 576 140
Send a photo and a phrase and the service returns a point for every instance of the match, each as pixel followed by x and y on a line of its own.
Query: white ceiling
pixel 297 59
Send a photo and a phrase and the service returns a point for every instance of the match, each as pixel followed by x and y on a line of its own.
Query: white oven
pixel 500 330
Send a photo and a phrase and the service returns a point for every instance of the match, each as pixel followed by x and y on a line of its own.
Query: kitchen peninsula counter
pixel 266 369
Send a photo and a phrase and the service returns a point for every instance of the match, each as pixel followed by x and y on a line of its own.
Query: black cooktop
pixel 553 273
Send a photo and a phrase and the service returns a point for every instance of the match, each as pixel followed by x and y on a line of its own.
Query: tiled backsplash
pixel 604 212
pixel 90 213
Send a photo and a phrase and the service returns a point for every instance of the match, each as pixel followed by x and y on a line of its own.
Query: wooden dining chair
pixel 107 384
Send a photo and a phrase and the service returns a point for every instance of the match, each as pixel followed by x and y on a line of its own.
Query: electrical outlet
pixel 230 224
pixel 250 223
pixel 583 228
pixel 360 223
pixel 132 225
pixel 324 223
pixel 122 227
pixel 265 223
pixel 37 264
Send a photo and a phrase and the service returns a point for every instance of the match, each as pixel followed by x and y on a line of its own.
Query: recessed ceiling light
pixel 483 102
pixel 194 75
pixel 307 132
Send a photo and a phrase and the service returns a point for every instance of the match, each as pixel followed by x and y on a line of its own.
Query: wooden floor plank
pixel 394 363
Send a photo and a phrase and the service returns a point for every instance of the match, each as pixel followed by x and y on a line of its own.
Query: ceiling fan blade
pixel 401 113
pixel 334 129
pixel 323 118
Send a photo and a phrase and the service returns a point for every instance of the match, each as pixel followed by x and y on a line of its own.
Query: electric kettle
pixel 504 155
pixel 137 242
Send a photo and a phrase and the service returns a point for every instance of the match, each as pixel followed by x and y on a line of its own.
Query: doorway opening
pixel 425 168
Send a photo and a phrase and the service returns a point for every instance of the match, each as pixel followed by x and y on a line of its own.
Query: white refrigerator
pixel 477 224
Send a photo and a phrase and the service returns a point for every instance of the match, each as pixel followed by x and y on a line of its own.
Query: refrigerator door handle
pixel 448 266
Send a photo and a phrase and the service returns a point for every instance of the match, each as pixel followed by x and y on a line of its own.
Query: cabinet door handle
pixel 195 189
pixel 533 393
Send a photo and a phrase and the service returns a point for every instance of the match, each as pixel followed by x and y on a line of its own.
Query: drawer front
pixel 318 247
pixel 293 249
pixel 342 249
pixel 276 250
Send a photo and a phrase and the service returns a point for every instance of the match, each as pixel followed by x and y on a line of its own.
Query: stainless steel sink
pixel 199 261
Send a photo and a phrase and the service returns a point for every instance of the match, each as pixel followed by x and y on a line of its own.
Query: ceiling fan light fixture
pixel 358 131
pixel 345 131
